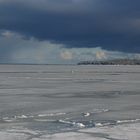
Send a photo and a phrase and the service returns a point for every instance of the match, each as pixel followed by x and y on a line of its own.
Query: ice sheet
pixel 120 132
pixel 69 102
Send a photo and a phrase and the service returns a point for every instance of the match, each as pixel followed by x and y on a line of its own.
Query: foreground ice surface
pixel 69 102
pixel 120 132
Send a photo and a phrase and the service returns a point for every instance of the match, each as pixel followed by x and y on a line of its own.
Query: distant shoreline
pixel 94 62
pixel 112 62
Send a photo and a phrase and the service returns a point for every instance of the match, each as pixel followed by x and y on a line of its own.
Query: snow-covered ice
pixel 53 102
pixel 120 132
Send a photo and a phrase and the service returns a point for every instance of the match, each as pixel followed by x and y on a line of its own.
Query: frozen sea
pixel 56 102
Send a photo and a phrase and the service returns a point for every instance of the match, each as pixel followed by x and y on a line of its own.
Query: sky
pixel 68 31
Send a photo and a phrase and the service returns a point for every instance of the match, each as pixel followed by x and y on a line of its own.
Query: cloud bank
pixel 114 25
pixel 66 31
pixel 33 51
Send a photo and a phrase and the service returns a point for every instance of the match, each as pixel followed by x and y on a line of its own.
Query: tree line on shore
pixel 112 62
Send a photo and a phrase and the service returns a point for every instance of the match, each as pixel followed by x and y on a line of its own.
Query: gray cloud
pixel 114 25
pixel 16 49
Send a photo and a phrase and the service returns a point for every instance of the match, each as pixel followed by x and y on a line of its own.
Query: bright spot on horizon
pixel 66 55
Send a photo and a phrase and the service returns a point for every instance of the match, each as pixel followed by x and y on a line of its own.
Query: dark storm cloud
pixel 111 24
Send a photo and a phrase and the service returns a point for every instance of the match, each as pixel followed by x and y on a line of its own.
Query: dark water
pixel 53 99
